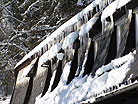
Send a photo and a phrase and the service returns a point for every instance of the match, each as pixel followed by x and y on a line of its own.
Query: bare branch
pixel 9 16
pixel 13 44
pixel 2 31
pixel 6 5
pixel 6 9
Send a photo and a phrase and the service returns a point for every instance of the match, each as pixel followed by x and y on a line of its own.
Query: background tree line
pixel 23 25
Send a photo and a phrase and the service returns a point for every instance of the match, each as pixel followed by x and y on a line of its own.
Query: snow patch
pixel 88 26
pixel 111 8
pixel 5 99
pixel 69 39
pixel 51 53
pixel 83 88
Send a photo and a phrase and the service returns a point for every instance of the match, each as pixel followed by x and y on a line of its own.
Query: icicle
pixel 84 41
pixel 106 3
pixel 85 19
pixel 49 46
pixel 63 35
pixel 75 27
pixel 91 12
pixel 109 1
pixel 81 41
pixel 78 25
pixel 100 6
pixel 39 52
pixel 70 46
pixel 112 21
pixel 96 8
pixel 58 41
pixel 103 23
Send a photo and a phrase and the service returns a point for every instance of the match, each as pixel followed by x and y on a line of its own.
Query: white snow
pixel 69 23
pixel 69 39
pixel 51 53
pixel 111 8
pixel 53 97
pixel 63 27
pixel 80 3
pixel 114 63
pixel 87 27
pixel 60 56
pixel 122 3
pixel 5 99
pixel 82 88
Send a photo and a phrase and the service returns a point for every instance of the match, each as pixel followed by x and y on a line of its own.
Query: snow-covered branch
pixel 9 16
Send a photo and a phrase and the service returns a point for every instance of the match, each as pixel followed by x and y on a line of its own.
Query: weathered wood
pixel 38 83
pixel 103 49
pixel 124 34
pixel 48 78
pixel 90 59
pixel 20 89
pixel 133 72
pixel 131 40
pixel 97 28
pixel 23 83
pixel 74 66
pixel 58 75
pixel 112 48
pixel 132 4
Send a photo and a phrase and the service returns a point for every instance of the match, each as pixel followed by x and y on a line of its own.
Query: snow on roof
pixel 111 8
pixel 56 33
pixel 82 88
pixel 102 4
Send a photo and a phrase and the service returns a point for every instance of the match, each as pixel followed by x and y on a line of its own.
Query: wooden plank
pixel 74 66
pixel 132 4
pixel 103 49
pixel 133 72
pixel 23 83
pixel 90 59
pixel 124 34
pixel 38 83
pixel 20 90
pixel 134 67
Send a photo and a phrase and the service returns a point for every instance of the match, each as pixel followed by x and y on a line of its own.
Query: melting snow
pixel 82 88
pixel 51 53
pixel 70 39
pixel 5 100
pixel 111 8
pixel 87 27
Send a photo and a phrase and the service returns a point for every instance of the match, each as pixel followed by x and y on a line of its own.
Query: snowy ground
pixel 82 88
pixel 5 99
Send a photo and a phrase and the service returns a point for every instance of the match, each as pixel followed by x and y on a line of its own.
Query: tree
pixel 24 24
